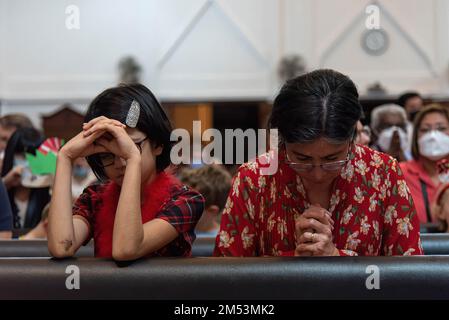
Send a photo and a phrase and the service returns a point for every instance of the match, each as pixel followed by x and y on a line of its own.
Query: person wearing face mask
pixel 329 196
pixel 389 126
pixel 27 199
pixel 430 144
pixel 82 177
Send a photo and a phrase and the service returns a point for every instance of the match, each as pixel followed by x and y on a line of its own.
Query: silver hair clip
pixel 133 114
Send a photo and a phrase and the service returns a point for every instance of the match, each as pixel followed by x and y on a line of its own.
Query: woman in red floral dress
pixel 329 196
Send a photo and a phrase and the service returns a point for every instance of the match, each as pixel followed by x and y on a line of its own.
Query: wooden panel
pixel 183 115
pixel 65 123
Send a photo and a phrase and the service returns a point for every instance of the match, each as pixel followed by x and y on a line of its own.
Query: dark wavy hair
pixel 323 103
pixel 114 103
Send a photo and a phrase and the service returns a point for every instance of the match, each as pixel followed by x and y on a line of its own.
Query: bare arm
pixel 131 238
pixel 65 234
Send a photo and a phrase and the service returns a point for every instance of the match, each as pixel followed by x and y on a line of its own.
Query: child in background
pixel 214 183
pixel 27 197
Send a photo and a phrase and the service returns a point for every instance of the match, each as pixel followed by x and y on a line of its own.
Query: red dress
pixel 371 205
pixel 417 179
pixel 165 198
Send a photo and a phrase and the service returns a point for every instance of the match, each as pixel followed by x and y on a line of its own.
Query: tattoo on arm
pixel 67 244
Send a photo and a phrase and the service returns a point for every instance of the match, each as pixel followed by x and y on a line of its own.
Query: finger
pixel 319 214
pixel 106 144
pixel 309 237
pixel 113 130
pixel 92 122
pixel 304 250
pixel 91 138
pixel 315 225
pixel 90 126
pixel 328 214
pixel 93 149
pixel 301 224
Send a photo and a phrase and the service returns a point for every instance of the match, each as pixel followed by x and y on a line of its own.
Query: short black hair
pixel 323 103
pixel 114 103
pixel 403 98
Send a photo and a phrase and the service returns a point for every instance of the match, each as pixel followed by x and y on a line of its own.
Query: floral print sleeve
pixel 401 221
pixel 237 232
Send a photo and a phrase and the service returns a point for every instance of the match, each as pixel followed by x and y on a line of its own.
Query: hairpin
pixel 133 114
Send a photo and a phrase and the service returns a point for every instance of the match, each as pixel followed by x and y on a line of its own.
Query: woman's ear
pixel 157 150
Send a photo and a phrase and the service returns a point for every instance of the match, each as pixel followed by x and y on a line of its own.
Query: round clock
pixel 375 42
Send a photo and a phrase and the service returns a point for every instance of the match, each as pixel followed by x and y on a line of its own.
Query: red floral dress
pixel 371 205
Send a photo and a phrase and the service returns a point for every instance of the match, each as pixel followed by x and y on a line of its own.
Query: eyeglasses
pixel 107 159
pixel 328 166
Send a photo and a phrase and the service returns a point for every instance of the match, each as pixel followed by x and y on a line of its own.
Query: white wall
pixel 210 49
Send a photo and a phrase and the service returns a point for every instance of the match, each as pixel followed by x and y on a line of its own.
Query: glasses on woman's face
pixel 107 159
pixel 328 166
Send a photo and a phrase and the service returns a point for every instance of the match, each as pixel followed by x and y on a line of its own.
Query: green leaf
pixel 42 164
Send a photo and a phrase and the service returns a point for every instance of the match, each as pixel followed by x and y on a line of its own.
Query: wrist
pixel 134 159
pixel 64 159
pixel 64 156
pixel 336 252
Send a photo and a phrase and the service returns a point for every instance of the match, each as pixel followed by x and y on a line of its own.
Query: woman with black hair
pixel 329 196
pixel 138 210
pixel 26 203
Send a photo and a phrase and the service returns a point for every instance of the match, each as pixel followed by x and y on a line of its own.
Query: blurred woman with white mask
pixel 389 126
pixel 430 146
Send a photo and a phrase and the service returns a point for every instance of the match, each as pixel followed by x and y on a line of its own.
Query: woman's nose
pixel 317 173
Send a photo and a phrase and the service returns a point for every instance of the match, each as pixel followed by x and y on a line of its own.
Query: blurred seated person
pixel 440 208
pixel 390 135
pixel 412 103
pixel 5 214
pixel 82 177
pixel 214 183
pixel 27 202
pixel 319 194
pixel 430 144
pixel 8 125
pixel 39 232
pixel 363 134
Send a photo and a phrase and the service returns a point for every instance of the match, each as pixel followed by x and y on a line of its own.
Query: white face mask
pixel 385 136
pixel 434 145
